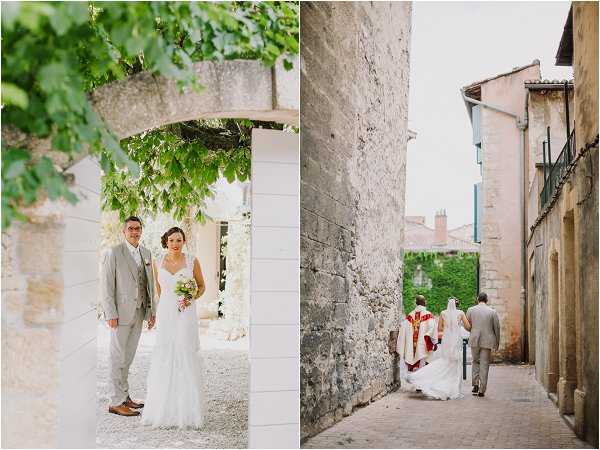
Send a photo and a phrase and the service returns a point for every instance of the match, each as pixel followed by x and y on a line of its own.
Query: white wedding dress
pixel 176 380
pixel 441 379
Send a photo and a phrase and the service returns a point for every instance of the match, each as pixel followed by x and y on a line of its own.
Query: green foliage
pixel 54 53
pixel 178 163
pixel 451 276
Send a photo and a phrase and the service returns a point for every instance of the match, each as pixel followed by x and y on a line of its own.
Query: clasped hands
pixel 114 323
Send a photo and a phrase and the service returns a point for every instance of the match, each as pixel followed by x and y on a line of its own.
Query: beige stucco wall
pixel 205 246
pixel 546 108
pixel 500 260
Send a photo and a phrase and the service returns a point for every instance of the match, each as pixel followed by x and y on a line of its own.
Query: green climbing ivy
pixel 452 275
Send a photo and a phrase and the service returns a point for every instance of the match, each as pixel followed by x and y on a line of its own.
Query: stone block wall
pixel 354 91
pixel 49 292
pixel 566 308
pixel 30 380
pixel 585 72
pixel 566 329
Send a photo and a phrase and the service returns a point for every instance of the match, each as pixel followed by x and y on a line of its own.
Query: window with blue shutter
pixel 476 121
pixel 477 213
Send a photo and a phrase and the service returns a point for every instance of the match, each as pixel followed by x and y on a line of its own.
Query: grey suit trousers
pixel 123 344
pixel 480 367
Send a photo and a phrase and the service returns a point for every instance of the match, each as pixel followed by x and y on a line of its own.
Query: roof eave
pixel 564 54
pixel 549 86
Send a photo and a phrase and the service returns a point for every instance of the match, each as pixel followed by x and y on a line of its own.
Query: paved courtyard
pixel 515 413
pixel 227 399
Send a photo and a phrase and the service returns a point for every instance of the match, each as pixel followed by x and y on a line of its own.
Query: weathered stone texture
pixel 563 252
pixel 354 91
pixel 244 89
pixel 568 332
pixel 32 288
pixel 585 69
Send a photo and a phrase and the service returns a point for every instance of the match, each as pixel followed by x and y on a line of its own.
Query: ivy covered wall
pixel 438 276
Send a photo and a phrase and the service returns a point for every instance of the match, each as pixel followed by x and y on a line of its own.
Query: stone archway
pixel 238 89
pixel 48 351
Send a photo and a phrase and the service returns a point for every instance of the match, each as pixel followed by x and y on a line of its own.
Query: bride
pixel 441 378
pixel 175 385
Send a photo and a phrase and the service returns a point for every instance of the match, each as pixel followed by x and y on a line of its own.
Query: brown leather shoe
pixel 131 404
pixel 123 410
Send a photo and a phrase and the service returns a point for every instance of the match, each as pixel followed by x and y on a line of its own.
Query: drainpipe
pixel 522 126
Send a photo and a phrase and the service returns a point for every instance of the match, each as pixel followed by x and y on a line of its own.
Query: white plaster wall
pixel 274 416
pixel 77 355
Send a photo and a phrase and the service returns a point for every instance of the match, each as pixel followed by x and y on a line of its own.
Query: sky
pixel 454 44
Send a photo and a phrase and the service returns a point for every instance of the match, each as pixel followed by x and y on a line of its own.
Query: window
pixel 476 121
pixel 477 213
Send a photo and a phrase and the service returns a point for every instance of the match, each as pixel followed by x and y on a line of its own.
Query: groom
pixel 127 300
pixel 485 336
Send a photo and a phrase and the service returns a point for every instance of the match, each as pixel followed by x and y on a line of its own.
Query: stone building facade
pixel 354 90
pixel 562 244
pixel 49 280
pixel 495 106
pixel 418 237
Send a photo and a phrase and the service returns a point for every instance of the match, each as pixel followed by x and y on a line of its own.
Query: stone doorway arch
pixel 46 341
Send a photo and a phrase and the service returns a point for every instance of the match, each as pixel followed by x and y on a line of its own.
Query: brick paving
pixel 515 413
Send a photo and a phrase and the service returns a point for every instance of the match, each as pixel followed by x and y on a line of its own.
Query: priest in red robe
pixel 417 337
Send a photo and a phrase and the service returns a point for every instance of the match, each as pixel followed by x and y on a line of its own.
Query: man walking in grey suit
pixel 128 299
pixel 485 336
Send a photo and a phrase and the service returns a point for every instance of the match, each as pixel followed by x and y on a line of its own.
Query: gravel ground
pixel 227 421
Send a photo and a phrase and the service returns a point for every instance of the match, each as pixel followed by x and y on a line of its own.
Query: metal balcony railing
pixel 558 169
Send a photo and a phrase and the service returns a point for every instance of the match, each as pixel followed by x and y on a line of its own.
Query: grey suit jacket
pixel 119 284
pixel 485 327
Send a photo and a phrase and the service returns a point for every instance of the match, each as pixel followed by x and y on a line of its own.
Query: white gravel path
pixel 227 399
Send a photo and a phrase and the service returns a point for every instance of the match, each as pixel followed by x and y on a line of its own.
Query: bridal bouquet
pixel 187 288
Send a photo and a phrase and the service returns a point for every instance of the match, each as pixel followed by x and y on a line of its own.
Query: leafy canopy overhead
pixel 178 164
pixel 54 53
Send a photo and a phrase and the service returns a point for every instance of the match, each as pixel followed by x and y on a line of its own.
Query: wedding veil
pixel 451 342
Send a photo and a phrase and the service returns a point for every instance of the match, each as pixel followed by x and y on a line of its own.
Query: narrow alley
pixel 515 413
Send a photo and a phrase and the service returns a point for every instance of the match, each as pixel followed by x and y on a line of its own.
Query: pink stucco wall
pixel 501 217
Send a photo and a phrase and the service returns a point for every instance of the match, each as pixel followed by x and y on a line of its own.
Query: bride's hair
pixel 165 237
